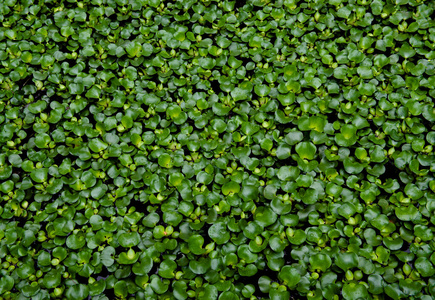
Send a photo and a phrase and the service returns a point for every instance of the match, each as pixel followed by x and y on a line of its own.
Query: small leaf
pixel 94 93
pixel 158 286
pixel 239 94
pixel 347 261
pixel 231 187
pixel 354 291
pixel 424 267
pixel 6 284
pixel 75 241
pixel 77 292
pixel 39 175
pixel 296 237
pixel 406 51
pixel 219 233
pixel 107 256
pixel 409 213
pixel 262 90
pixel 167 268
pixel 290 276
pixel 129 239
pixel 320 262
pixel 97 145
pixel 306 150
pixel 165 161
pixel 52 279
pixel 195 244
pixel 133 48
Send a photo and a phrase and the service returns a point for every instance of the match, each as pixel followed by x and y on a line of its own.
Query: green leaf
pixel 133 48
pixel 9 33
pixel 413 192
pixel 351 166
pixel 200 266
pixel 207 63
pixel 88 51
pixel 347 210
pixel 265 216
pixel 296 237
pixel 52 279
pixel 7 186
pixel 320 262
pixel 167 268
pixel 376 7
pixel 120 289
pixel 77 291
pixel 365 72
pixel 129 239
pixel 354 291
pixel 340 72
pixel 231 187
pixel 143 267
pixel 218 232
pixel 406 51
pixel 347 136
pixel 283 151
pixel 346 260
pixel 306 150
pixel 195 244
pixel 93 93
pixel 97 145
pixel 75 241
pixel 47 60
pixel 277 244
pixel 289 276
pixel 286 99
pixel 107 256
pixel 127 121
pixel 252 230
pixel 240 94
pixel 244 253
pixel 147 49
pixel 424 267
pixel 39 175
pixel 409 213
pixel 158 286
pixel 344 12
pixel 262 90
pixel 6 284
pixel 37 107
pixel 294 137
pixel 99 191
pixel 250 128
pixel 42 140
pixel 165 161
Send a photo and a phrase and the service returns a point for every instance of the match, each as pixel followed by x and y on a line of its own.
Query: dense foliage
pixel 217 149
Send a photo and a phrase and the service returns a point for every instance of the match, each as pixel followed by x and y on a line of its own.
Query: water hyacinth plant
pixel 207 149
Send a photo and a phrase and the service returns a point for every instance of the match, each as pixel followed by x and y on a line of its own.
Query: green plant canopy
pixel 207 149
